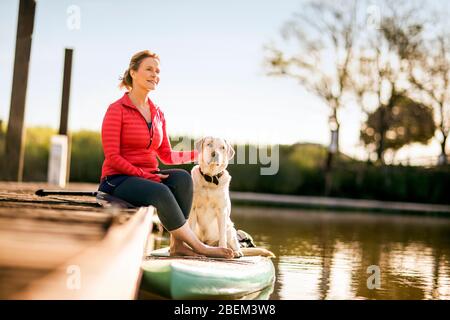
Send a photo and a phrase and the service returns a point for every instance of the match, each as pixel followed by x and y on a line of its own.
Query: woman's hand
pixel 162 176
pixel 155 176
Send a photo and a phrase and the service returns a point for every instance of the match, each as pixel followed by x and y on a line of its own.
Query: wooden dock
pixel 65 247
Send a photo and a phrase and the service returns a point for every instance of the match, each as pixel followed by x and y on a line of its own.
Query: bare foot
pixel 217 252
pixel 181 249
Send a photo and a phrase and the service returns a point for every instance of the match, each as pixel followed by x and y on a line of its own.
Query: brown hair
pixel 135 62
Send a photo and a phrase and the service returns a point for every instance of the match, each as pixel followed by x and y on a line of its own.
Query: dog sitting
pixel 211 208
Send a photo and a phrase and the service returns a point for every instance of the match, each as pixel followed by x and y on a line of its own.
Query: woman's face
pixel 147 75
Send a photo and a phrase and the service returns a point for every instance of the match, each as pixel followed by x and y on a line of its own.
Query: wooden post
pixel 14 149
pixel 64 119
pixel 66 91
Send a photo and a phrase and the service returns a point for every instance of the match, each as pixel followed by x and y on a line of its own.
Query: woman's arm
pixel 111 132
pixel 168 156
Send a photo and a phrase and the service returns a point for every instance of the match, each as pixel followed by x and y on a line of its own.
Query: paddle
pixel 43 193
pixel 103 198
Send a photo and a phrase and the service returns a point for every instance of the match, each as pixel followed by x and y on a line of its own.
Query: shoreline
pixel 327 203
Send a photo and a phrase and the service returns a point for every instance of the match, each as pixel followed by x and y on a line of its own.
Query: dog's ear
pixel 230 150
pixel 199 145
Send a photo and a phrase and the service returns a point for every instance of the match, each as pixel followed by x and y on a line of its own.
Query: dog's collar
pixel 211 179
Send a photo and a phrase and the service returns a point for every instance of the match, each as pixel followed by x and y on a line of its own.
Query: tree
pixel 430 74
pixel 380 71
pixel 404 121
pixel 325 32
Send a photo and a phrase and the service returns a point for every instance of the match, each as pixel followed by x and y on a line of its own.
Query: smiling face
pixel 214 154
pixel 146 77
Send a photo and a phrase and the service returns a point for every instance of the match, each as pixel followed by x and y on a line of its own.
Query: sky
pixel 213 81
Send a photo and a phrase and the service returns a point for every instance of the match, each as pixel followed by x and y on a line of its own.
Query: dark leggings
pixel 172 197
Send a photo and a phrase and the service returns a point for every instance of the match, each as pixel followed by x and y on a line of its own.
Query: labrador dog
pixel 211 208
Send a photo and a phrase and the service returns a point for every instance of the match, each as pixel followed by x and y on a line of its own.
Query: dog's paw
pixel 238 254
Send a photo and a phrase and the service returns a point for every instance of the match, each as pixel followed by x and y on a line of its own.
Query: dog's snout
pixel 213 154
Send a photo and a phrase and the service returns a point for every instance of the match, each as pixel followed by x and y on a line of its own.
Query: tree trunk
pixel 382 125
pixel 443 157
pixel 328 175
pixel 332 151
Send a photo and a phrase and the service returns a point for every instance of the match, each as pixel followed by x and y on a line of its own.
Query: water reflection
pixel 325 255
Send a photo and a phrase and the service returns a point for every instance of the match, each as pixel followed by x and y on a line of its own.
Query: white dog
pixel 211 208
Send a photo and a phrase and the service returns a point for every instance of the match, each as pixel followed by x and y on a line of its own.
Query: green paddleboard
pixel 207 278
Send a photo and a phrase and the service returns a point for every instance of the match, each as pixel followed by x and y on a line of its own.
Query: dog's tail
pixel 257 252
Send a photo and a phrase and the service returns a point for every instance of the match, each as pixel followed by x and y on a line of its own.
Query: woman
pixel 133 134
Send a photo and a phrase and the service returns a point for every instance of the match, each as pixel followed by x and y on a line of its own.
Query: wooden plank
pixel 31 187
pixel 56 228
pixel 15 279
pixel 38 235
pixel 108 270
pixel 40 250
pixel 52 214
pixel 42 238
pixel 22 195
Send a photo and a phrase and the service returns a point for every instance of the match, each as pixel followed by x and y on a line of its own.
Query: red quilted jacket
pixel 130 147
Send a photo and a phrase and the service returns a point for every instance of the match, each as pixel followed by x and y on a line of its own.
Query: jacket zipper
pixel 151 134
pixel 150 131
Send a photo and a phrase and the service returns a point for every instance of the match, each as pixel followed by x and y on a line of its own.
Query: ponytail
pixel 126 80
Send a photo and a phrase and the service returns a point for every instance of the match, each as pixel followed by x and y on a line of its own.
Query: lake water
pixel 336 255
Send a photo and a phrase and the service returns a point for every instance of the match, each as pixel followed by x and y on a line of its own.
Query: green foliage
pixel 401 123
pixel 87 157
pixel 307 155
pixel 37 148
